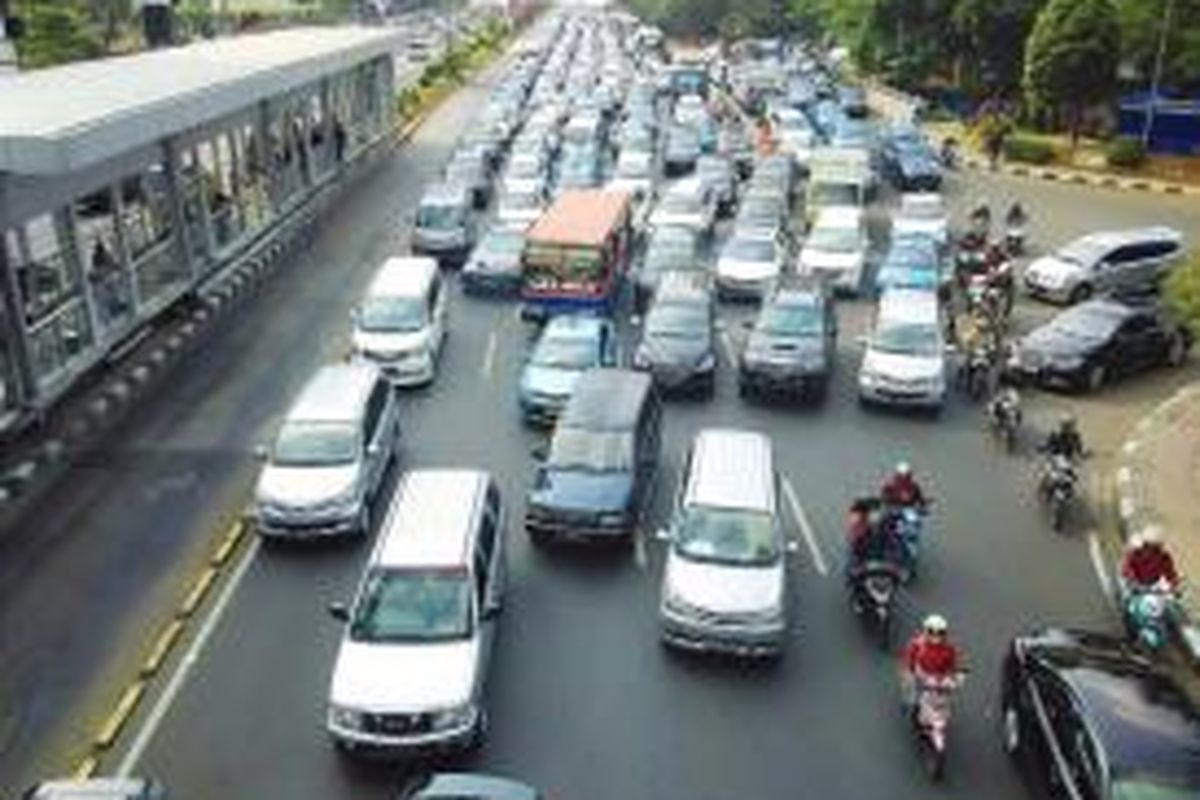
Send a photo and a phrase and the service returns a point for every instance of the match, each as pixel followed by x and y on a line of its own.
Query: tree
pixel 1141 28
pixel 987 30
pixel 56 32
pixel 1071 58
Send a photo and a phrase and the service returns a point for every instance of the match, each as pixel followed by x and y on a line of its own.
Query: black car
pixel 912 166
pixel 677 343
pixel 1088 716
pixel 600 466
pixel 792 344
pixel 1089 344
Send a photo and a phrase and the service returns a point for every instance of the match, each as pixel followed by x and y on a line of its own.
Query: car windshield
pixel 413 606
pixel 834 194
pixel 922 208
pixel 524 168
pixel 791 319
pixel 677 321
pixel 747 249
pixel 503 243
pixel 315 444
pixel 908 339
pixel 383 314
pixel 726 536
pixel 519 200
pixel 670 252
pixel 565 352
pixel 759 211
pixel 834 239
pixel 680 203
pixel 633 168
pixel 1087 322
pixel 590 450
pixel 437 216
pixel 1084 252
pixel 684 138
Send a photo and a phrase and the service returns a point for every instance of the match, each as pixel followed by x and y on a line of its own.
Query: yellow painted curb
pixel 116 721
pixel 199 589
pixel 162 647
pixel 225 549
pixel 85 769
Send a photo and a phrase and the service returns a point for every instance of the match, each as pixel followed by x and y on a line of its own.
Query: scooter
pixel 1004 417
pixel 977 372
pixel 1059 487
pixel 931 720
pixel 1148 613
pixel 873 588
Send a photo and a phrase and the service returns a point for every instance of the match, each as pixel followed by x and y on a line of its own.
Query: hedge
pixel 1028 150
pixel 1181 289
pixel 1125 152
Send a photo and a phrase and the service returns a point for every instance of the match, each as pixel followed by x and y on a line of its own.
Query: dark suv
pixel 1089 716
pixel 601 463
pixel 792 344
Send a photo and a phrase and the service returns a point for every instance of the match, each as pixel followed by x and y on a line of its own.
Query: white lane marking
pixel 1097 554
pixel 727 346
pixel 158 713
pixel 489 356
pixel 806 528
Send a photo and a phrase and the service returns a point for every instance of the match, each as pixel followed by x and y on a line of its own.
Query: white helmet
pixel 1152 534
pixel 935 624
pixel 903 468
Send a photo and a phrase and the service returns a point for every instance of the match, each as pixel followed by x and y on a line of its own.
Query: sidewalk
pixel 1158 480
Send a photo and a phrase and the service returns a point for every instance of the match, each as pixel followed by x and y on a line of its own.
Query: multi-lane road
pixel 584 702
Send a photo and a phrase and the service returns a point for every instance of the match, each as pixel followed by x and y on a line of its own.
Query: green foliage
pixel 1143 22
pixel 1071 58
pixel 1027 150
pixel 1125 152
pixel 56 32
pixel 988 32
pixel 1181 290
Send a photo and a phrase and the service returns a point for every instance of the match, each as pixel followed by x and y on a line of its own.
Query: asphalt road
pixel 584 702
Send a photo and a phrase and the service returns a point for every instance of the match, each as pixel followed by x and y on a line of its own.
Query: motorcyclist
pixel 980 224
pixel 869 536
pixel 901 489
pixel 1005 405
pixel 1147 562
pixel 949 154
pixel 1016 216
pixel 929 654
pixel 1065 440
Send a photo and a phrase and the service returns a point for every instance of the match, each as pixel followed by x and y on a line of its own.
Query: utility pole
pixel 1156 78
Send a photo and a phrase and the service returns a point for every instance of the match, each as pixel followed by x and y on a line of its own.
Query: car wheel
pixel 1177 352
pixel 1010 720
pixel 1081 292
pixel 1096 376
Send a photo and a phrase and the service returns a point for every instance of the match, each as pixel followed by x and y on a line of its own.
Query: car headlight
pixel 868 379
pixel 347 718
pixel 458 717
pixel 707 362
pixel 676 606
pixel 640 360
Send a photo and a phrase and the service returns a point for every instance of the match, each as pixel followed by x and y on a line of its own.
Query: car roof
pixel 728 469
pixel 573 326
pixel 335 393
pixel 444 192
pixel 902 304
pixel 687 285
pixel 606 399
pixel 429 520
pixel 403 276
pixel 1145 715
pixel 1108 240
pixel 920 199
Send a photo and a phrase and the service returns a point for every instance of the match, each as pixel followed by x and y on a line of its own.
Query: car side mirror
pixel 339 611
pixel 261 453
pixel 792 546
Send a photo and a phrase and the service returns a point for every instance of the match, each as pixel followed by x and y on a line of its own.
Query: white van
pixel 905 358
pixel 400 325
pixel 410 670
pixel 724 586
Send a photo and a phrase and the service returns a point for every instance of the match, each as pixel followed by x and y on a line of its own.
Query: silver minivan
pixel 400 324
pixel 410 670
pixel 724 586
pixel 445 223
pixel 329 457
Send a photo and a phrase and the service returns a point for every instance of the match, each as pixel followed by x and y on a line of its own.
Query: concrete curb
pixel 1080 178
pixel 1134 511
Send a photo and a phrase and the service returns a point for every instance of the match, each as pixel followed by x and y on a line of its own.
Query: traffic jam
pixel 664 224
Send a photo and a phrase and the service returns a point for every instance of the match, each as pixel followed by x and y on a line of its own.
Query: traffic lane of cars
pixel 578 667
pixel 153 494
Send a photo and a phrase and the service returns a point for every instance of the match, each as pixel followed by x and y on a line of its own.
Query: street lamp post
pixel 1152 105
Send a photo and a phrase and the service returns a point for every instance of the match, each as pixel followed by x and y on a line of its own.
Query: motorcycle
pixel 1004 418
pixel 930 717
pixel 873 588
pixel 977 372
pixel 1059 487
pixel 1148 612
pixel 1014 239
